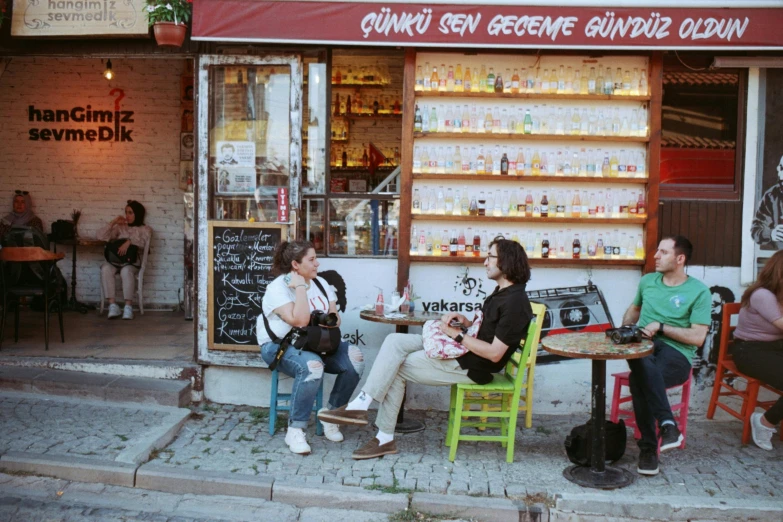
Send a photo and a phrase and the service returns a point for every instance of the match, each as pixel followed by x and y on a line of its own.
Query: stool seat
pixel 680 410
pixel 285 398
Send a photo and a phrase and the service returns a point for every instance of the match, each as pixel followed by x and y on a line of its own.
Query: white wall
pixel 98 177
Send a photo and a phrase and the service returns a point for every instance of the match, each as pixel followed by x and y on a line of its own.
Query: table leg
pixel 599 475
pixel 73 304
pixel 403 426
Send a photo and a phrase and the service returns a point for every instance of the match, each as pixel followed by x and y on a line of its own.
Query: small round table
pixel 414 318
pixel 599 348
pixel 73 303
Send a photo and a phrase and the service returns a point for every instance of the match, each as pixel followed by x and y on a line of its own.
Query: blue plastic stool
pixel 285 398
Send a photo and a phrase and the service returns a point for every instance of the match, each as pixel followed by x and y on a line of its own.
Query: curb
pixel 198 482
pixel 156 438
pixel 79 469
pixel 483 508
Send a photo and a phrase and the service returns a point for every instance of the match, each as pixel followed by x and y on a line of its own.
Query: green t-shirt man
pixel 682 306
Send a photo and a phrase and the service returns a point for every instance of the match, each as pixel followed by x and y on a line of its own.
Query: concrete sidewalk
pixel 227 450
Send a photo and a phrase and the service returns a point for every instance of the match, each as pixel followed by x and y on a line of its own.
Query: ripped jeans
pixel 307 369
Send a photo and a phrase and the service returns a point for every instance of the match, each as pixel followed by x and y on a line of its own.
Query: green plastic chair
pixel 508 389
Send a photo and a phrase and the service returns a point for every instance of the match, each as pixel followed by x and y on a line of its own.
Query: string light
pixel 108 73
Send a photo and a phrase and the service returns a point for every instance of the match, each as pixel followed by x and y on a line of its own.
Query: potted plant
pixel 168 19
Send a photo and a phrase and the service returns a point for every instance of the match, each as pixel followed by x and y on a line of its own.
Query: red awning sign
pixel 444 25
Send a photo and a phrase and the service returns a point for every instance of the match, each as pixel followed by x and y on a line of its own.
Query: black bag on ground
pixel 112 255
pixel 62 229
pixel 578 444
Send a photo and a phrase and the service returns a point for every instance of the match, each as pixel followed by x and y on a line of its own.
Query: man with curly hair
pixel 507 314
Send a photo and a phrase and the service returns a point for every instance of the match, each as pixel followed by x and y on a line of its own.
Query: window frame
pixel 692 191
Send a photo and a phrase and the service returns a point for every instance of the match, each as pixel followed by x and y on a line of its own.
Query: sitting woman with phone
pixel 127 237
pixel 290 305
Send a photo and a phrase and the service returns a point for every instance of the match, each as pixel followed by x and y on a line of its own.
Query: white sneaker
pixel 762 435
pixel 114 311
pixel 331 431
pixel 295 438
pixel 127 312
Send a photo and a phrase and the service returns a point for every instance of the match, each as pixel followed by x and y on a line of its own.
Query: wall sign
pixel 446 25
pixel 79 18
pixel 240 268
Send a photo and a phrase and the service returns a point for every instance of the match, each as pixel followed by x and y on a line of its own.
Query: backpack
pixel 578 444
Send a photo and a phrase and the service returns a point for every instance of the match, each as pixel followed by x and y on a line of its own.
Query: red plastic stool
pixel 680 410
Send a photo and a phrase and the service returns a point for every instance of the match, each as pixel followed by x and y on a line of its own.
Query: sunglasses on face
pixel 21 192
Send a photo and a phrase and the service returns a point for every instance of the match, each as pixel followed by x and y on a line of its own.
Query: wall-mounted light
pixel 108 73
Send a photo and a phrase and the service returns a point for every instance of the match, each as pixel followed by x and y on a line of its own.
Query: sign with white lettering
pixel 79 18
pixel 515 26
pixel 240 267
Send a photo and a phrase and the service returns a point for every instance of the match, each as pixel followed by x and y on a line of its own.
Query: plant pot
pixel 169 34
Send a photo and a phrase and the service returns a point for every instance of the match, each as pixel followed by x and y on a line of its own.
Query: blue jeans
pixel 650 376
pixel 307 369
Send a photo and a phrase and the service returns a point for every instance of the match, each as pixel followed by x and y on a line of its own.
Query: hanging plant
pixel 168 19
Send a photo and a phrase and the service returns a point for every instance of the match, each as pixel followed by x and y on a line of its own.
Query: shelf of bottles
pixel 548 151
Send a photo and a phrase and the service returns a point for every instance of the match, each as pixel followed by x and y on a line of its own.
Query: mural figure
pixel 337 283
pixel 707 355
pixel 767 226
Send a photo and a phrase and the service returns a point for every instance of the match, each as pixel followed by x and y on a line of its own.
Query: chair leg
pixel 46 318
pixel 715 392
pixel 511 435
pixel 60 318
pixel 319 400
pixel 16 319
pixel 615 411
pixel 273 404
pixel 457 425
pixel 141 298
pixel 2 320
pixel 450 425
pixel 750 407
pixel 529 399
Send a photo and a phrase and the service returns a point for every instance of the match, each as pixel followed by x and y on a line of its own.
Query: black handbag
pixel 312 338
pixel 62 229
pixel 112 255
pixel 578 444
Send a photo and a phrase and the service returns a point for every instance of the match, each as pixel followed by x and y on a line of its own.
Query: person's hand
pixel 777 233
pixel 296 280
pixel 448 330
pixel 651 329
pixel 119 220
pixel 124 248
pixel 449 317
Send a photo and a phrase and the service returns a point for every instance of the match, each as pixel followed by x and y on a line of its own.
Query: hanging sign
pixel 79 18
pixel 446 25
pixel 282 205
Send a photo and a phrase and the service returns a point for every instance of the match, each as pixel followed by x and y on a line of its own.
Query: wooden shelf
pixel 626 220
pixel 535 261
pixel 370 116
pixel 356 85
pixel 529 96
pixel 539 137
pixel 547 178
pixel 362 169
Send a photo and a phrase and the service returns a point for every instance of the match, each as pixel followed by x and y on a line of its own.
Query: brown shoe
pixel 342 416
pixel 374 449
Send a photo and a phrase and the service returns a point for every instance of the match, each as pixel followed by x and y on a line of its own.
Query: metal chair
pixel 139 279
pixel 12 290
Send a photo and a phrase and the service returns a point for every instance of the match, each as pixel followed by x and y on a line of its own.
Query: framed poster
pixel 185 174
pixel 186 146
pixel 236 153
pixel 235 181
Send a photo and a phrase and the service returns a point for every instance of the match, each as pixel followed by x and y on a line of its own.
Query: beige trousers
pixel 402 359
pixel 128 275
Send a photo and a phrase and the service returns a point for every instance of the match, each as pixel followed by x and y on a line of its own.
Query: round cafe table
pixel 599 348
pixel 401 324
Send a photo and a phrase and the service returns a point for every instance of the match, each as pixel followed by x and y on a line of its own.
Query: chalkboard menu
pixel 240 268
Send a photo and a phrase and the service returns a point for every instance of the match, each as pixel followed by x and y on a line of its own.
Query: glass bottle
pixel 442 78
pixel 515 82
pixel 504 165
pixel 469 243
pixel 545 246
pixel 544 207
pixel 576 247
pixel 434 82
pixel 450 79
pixel 490 82
pixel 458 79
pixel 419 86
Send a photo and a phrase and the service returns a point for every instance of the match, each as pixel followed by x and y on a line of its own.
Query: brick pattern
pixel 98 177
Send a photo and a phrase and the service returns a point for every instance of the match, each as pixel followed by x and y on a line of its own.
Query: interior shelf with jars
pixel 550 151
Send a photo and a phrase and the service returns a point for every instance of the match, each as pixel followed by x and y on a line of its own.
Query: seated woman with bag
pixel 127 237
pixel 293 339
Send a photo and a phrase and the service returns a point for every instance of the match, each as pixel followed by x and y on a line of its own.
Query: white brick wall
pixel 98 177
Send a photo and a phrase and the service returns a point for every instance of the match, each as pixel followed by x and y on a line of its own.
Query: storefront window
pixel 362 227
pixel 315 140
pixel 249 140
pixel 701 120
pixel 363 154
pixel 313 223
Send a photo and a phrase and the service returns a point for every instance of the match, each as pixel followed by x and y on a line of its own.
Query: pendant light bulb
pixel 108 73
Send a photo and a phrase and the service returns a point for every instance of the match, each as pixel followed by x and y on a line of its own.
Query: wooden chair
pixel 139 280
pixel 727 377
pixel 11 289
pixel 514 385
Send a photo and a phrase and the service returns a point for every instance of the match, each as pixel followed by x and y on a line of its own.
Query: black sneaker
pixel 648 462
pixel 670 437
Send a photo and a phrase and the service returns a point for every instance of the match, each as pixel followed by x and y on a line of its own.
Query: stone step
pixel 96 386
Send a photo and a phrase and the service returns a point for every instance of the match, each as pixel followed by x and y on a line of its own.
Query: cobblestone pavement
pixel 32 499
pixel 236 439
pixel 66 426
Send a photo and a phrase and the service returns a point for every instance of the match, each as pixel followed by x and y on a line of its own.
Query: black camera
pixel 321 318
pixel 626 334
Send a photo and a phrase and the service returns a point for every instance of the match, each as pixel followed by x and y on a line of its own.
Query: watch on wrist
pixel 459 338
pixel 660 329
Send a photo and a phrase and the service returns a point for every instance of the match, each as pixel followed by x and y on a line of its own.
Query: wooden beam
pixel 406 177
pixel 654 159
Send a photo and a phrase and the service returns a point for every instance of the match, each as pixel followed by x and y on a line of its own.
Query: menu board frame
pixel 261 225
